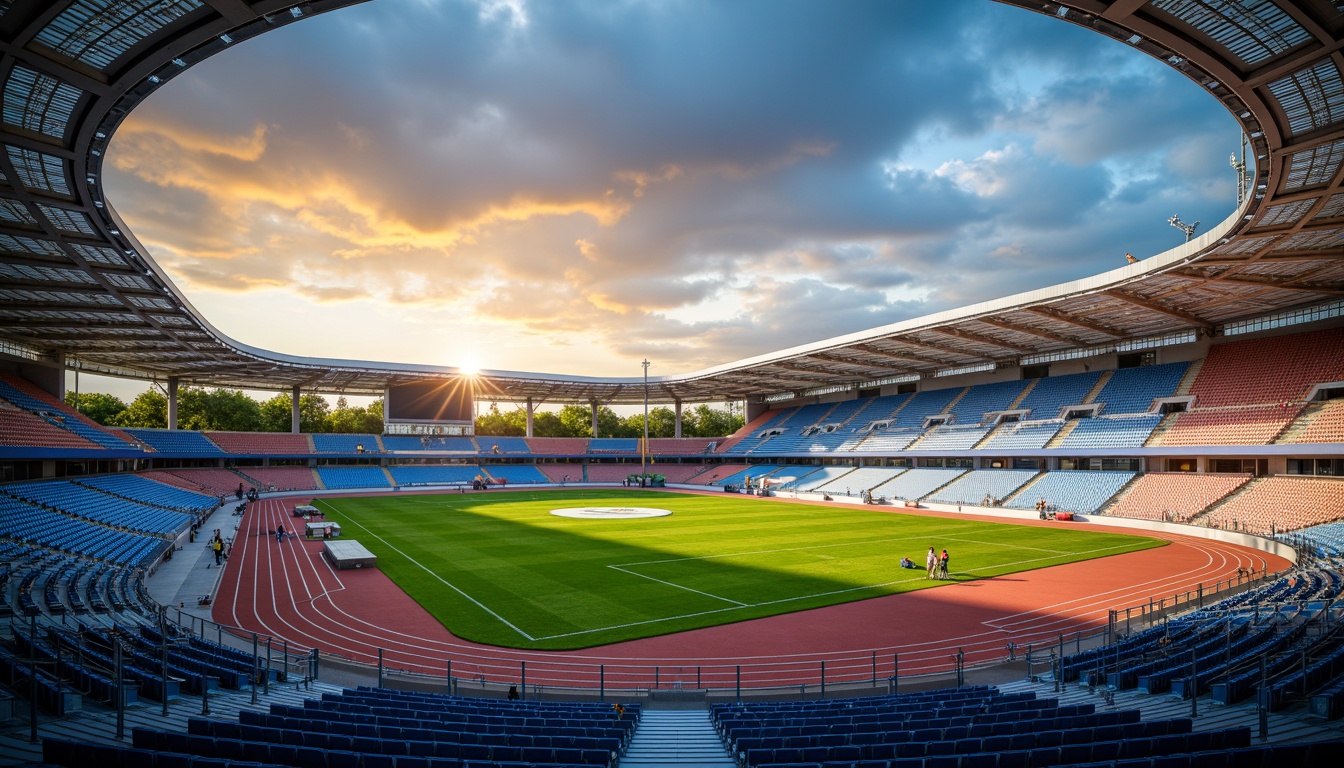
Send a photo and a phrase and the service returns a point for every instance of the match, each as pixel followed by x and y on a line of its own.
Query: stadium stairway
pixel 675 737
pixel 1096 388
pixel 1063 432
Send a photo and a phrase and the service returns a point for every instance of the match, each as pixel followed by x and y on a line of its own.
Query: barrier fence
pixel 484 670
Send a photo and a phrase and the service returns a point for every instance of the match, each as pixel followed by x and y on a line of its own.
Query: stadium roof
pixel 76 285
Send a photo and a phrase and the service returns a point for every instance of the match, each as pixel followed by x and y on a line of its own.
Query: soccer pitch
pixel 498 568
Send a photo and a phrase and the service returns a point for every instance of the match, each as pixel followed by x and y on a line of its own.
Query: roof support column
pixel 529 417
pixel 593 404
pixel 676 404
pixel 172 402
pixel 294 410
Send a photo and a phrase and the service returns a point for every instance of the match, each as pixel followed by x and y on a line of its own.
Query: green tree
pixel 102 408
pixel 149 410
pixel 275 414
pixel 576 421
pixel 358 419
pixel 548 424
pixel 313 413
pixel 493 421
pixel 704 421
pixel 227 410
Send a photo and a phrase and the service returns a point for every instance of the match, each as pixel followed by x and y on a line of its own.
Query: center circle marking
pixel 610 513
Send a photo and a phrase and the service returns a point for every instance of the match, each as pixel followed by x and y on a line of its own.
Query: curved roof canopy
pixel 75 284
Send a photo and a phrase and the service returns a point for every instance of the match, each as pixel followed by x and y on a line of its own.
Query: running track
pixel 287 590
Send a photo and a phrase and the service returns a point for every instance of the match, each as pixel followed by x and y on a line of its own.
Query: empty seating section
pixel 19 427
pixel 679 446
pixel 516 474
pixel 876 409
pixel 1174 496
pixel 403 443
pixel 612 472
pixel 820 477
pixel 353 477
pixel 215 482
pixel 751 436
pixel 885 441
pixel 789 477
pixel 102 508
pixel 1326 538
pixel 176 441
pixel 987 398
pixel 1112 432
pixel 454 444
pixel 1271 370
pixel 376 728
pixel 1132 390
pixel 273 443
pixel 1284 503
pixel 143 489
pixel 981 728
pixel 1029 435
pixel 1255 425
pixel 952 437
pixel 29 523
pixel 981 485
pixel 860 480
pixel 1327 426
pixel 25 395
pixel 331 443
pixel 678 473
pixel 917 483
pixel 714 475
pixel 505 444
pixel 1072 490
pixel 431 474
pixel 1050 396
pixel 613 445
pixel 557 446
pixel 562 473
pixel 755 472
pixel 282 478
pixel 923 405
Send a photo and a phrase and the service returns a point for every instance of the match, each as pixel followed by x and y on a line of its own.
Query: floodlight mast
pixel 1188 229
pixel 1240 167
pixel 644 450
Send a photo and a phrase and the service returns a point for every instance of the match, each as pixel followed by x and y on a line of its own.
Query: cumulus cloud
pixel 694 181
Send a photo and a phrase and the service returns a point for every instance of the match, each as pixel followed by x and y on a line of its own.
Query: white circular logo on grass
pixel 610 513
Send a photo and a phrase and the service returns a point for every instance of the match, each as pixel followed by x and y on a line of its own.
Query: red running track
pixel 288 590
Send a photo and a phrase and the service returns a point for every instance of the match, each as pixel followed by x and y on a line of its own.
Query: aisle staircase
pixel 676 737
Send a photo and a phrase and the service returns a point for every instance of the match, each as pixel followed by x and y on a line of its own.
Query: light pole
pixel 644 452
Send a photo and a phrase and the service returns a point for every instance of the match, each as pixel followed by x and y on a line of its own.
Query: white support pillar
pixel 677 405
pixel 529 417
pixel 172 402
pixel 594 407
pixel 294 410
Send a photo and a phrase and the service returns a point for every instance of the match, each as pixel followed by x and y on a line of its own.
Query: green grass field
pixel 498 568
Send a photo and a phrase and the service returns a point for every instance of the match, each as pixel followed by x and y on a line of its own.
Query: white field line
pixel 736 605
pixel 795 598
pixel 676 586
pixel 445 582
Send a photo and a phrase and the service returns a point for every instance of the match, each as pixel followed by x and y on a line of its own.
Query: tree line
pixel 577 421
pixel 231 410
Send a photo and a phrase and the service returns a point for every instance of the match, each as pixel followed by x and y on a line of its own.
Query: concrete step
pixel 675 738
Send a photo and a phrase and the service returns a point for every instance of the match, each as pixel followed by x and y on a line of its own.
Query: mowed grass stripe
pixel 482 562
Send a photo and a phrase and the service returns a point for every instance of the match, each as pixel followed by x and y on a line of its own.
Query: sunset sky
pixel 573 187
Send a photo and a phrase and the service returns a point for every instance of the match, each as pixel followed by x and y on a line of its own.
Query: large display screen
pixel 444 400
